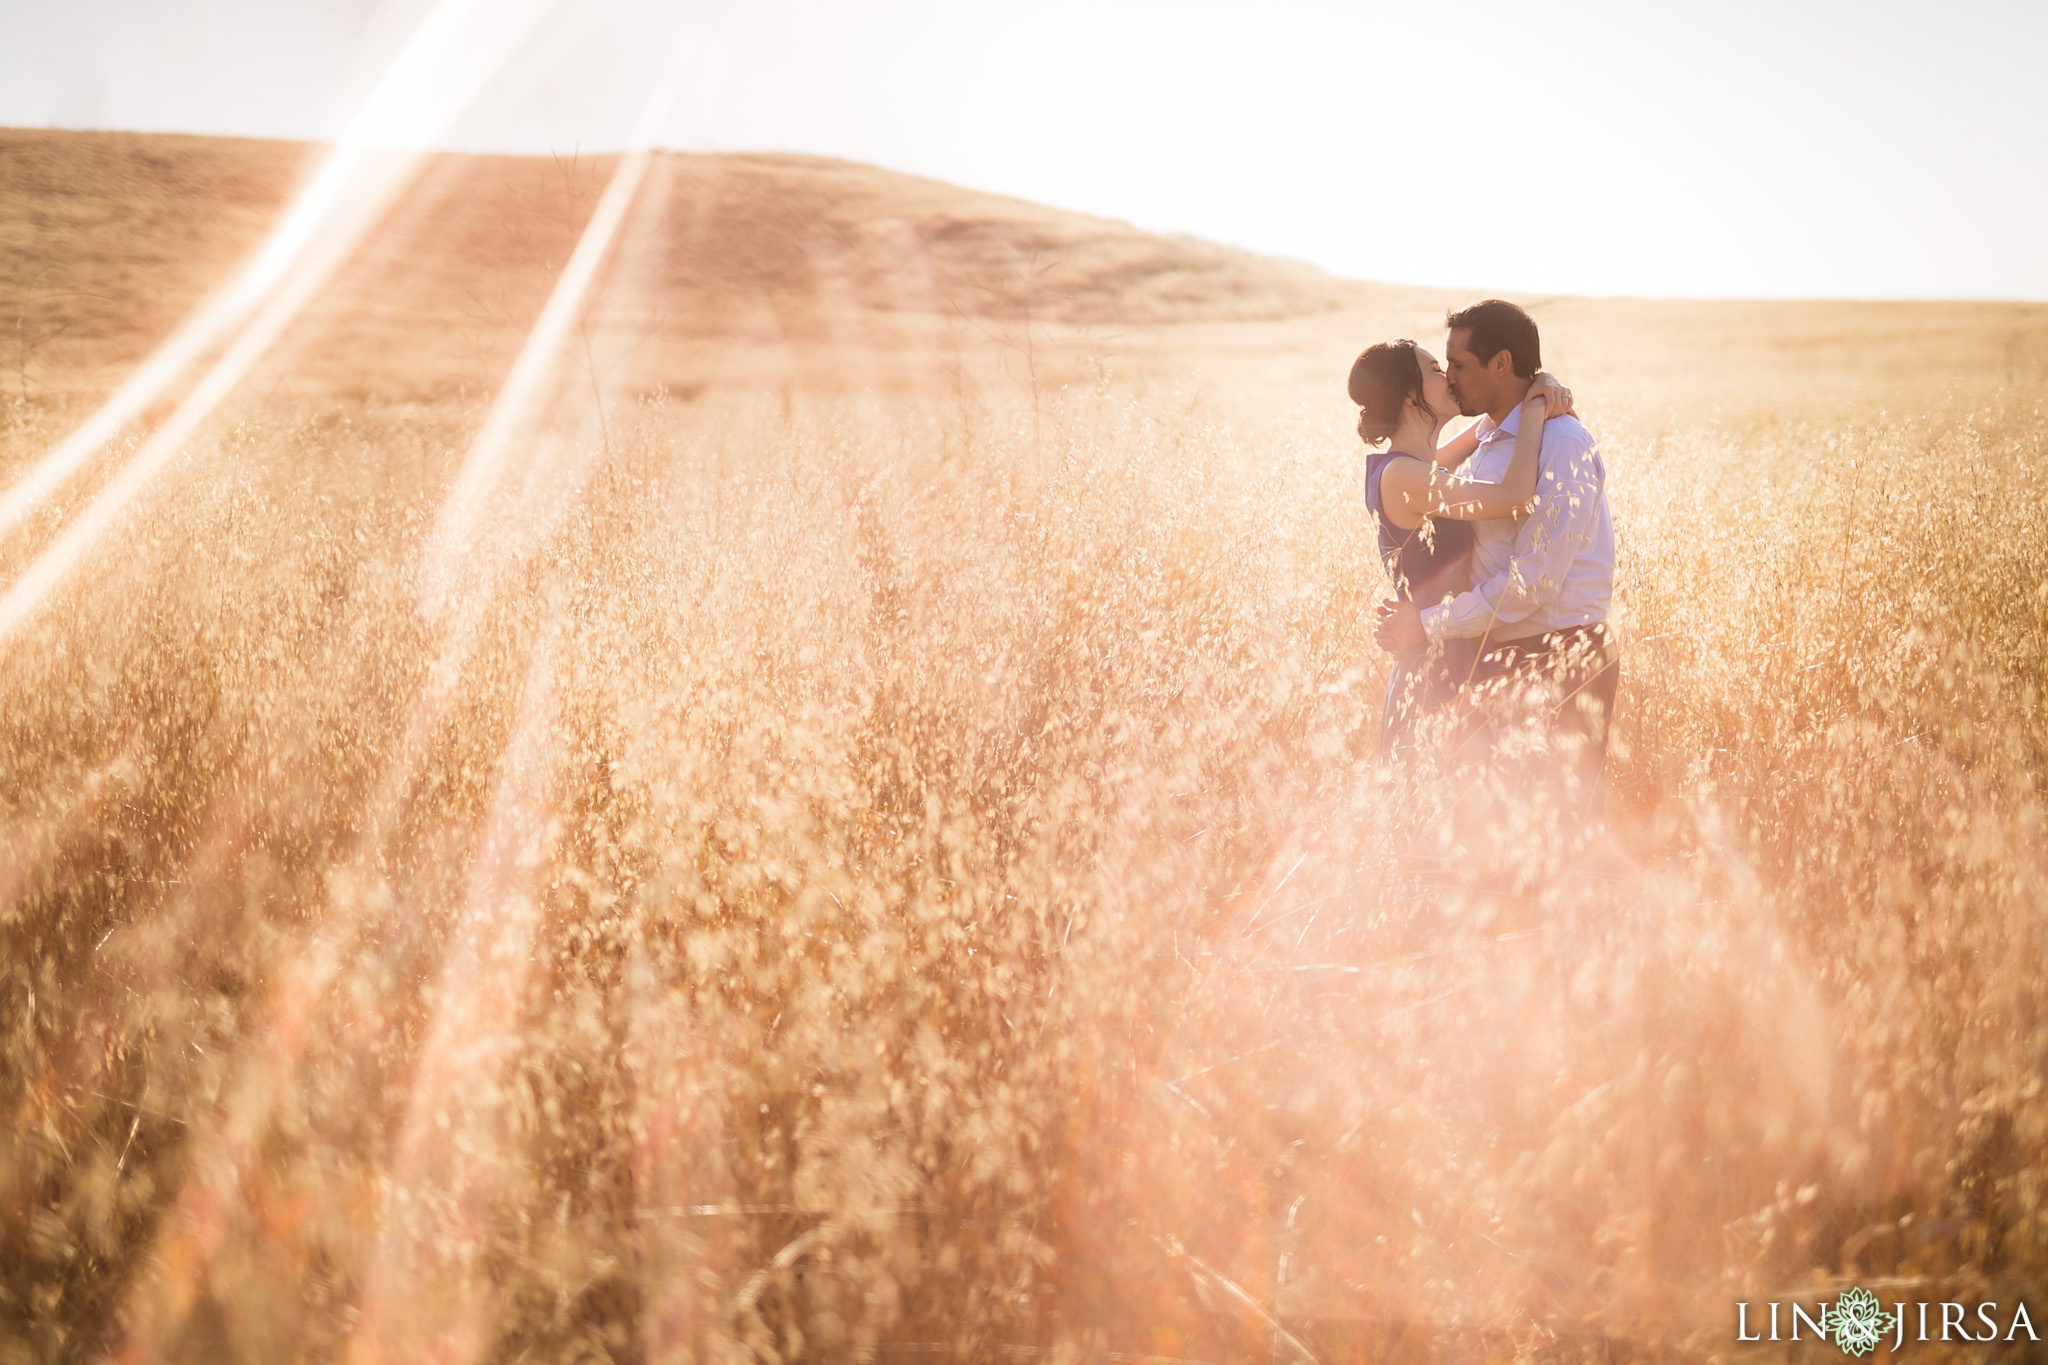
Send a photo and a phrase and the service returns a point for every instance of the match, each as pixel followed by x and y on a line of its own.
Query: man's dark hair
pixel 1497 325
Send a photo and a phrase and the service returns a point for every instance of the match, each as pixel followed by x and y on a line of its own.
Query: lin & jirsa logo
pixel 1858 1323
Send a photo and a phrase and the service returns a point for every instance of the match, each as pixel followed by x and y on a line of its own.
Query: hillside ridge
pixel 108 240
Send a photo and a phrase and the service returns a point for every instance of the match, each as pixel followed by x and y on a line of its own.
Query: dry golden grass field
pixel 876 851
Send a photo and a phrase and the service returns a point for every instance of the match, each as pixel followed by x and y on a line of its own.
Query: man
pixel 1542 582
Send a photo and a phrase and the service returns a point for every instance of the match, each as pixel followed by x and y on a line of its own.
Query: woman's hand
pixel 1556 397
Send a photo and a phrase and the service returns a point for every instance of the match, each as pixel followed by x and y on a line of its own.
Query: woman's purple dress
pixel 1427 564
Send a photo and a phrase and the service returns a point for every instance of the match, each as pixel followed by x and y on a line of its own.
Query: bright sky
pixel 1860 148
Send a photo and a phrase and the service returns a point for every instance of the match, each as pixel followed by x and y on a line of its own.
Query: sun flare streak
pixel 448 1149
pixel 212 1195
pixel 484 468
pixel 27 595
pixel 439 72
pixel 209 1203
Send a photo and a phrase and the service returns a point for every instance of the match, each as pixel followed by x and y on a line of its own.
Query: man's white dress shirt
pixel 1550 569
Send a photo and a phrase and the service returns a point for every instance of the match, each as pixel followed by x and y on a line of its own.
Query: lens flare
pixel 454 541
pixel 208 1202
pixel 444 1167
pixel 435 77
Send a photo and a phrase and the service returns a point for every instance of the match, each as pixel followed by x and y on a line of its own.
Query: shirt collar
pixel 1510 428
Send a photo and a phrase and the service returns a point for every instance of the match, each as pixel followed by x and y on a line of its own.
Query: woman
pixel 1424 509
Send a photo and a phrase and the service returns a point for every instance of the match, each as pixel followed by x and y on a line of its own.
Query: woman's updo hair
pixel 1383 378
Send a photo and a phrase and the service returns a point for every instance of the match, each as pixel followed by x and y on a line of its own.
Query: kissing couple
pixel 1498 541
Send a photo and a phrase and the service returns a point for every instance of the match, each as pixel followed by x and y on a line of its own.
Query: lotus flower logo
pixel 1858 1322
